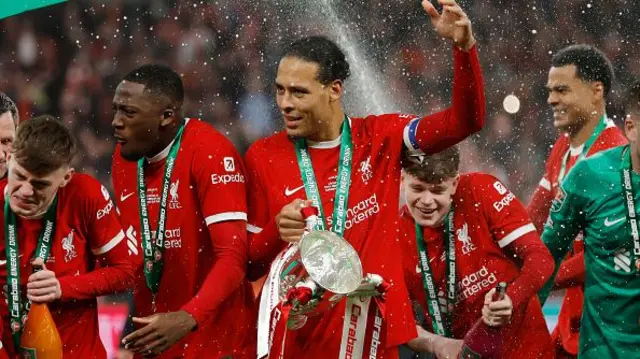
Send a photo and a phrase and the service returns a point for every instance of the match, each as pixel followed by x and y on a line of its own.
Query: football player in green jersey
pixel 600 197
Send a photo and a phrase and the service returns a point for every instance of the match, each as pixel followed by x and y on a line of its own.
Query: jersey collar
pixel 164 153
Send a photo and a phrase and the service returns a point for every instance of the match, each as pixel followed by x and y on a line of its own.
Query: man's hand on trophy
pixel 290 222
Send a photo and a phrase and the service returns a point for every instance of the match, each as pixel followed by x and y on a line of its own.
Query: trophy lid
pixel 331 261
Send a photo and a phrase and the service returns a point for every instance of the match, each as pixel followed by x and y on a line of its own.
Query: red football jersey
pixel 371 219
pixel 373 203
pixel 207 187
pixel 567 330
pixel 87 232
pixel 488 218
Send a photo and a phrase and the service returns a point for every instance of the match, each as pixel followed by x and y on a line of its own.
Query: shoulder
pixel 560 147
pixel 389 120
pixel 594 171
pixel 199 135
pixel 120 167
pixel 612 136
pixel 482 182
pixel 269 146
pixel 603 160
pixel 475 190
pixel 85 186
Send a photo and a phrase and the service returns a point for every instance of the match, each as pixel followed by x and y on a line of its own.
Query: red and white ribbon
pixel 363 331
pixel 270 312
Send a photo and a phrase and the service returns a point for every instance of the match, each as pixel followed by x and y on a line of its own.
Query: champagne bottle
pixel 40 338
pixel 483 341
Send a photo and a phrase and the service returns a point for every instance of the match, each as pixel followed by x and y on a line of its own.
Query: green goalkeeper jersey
pixel 591 200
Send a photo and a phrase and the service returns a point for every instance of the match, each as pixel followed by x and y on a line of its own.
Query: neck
pixel 165 138
pixel 580 137
pixel 331 129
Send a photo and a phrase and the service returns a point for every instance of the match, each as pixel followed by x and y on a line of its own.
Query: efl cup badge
pixel 15 326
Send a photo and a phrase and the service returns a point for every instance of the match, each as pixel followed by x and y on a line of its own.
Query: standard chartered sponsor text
pixel 475 282
pixel 360 212
pixel 172 238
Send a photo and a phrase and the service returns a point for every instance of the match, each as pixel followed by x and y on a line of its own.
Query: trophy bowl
pixel 331 262
pixel 326 264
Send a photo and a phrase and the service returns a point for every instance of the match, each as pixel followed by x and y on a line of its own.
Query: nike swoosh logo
pixel 288 192
pixel 125 196
pixel 608 223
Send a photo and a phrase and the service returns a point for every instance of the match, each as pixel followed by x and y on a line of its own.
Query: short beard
pixel 574 128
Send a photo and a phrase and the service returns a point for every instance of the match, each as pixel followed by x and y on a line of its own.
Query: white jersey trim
pixel 327 144
pixel 227 216
pixel 253 229
pixel 509 238
pixel 544 183
pixel 109 246
pixel 576 151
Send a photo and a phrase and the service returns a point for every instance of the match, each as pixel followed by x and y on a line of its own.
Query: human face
pixel 631 123
pixel 428 203
pixel 7 133
pixel 138 116
pixel 572 100
pixel 31 195
pixel 305 103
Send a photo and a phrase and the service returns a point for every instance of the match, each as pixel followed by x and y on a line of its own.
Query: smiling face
pixel 429 203
pixel 304 102
pixel 572 99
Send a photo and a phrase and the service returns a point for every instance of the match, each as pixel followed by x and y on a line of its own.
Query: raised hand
pixel 452 23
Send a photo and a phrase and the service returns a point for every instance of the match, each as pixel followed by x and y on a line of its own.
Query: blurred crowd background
pixel 67 59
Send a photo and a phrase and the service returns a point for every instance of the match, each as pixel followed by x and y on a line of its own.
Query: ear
pixel 168 116
pixel 597 88
pixel 630 128
pixel 456 180
pixel 335 90
pixel 67 176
